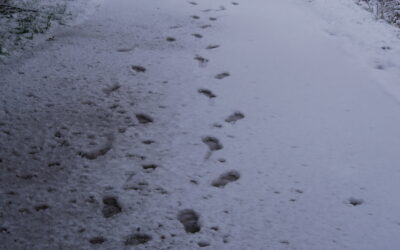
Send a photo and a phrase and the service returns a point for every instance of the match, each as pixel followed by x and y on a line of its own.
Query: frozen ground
pixel 24 23
pixel 269 124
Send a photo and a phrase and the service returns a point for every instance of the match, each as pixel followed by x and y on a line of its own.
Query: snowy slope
pixel 216 124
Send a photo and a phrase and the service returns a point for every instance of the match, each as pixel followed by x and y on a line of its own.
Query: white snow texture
pixel 215 124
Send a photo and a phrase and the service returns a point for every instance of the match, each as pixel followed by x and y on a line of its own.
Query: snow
pixel 372 41
pixel 274 130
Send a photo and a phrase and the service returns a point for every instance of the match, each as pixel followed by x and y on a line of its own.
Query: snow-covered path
pixel 180 125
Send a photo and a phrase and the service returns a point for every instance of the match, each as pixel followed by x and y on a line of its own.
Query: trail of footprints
pixel 188 218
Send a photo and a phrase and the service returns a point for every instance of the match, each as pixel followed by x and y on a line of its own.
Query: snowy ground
pixel 269 124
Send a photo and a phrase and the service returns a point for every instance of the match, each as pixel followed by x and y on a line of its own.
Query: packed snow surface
pixel 168 124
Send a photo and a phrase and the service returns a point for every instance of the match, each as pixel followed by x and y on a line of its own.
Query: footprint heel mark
pixel 222 75
pixel 226 178
pixel 138 68
pixel 193 3
pixel 111 207
pixel 234 117
pixel 213 19
pixel 195 17
pixel 213 143
pixel 202 61
pixel 207 93
pixel 235 3
pixel 137 239
pixel 190 220
pixel 144 119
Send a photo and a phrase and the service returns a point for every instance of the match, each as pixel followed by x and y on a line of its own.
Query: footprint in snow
pixel 195 17
pixel 202 61
pixel 193 3
pixel 111 207
pixel 226 178
pixel 143 118
pixel 137 239
pixel 197 35
pixel 190 220
pixel 41 207
pixel 138 68
pixel 212 46
pixel 148 142
pixel 234 117
pixel 170 39
pixel 284 242
pixel 205 26
pixel 212 143
pixel 207 93
pixel 355 201
pixel 97 240
pixel 216 125
pixel 149 167
pixel 125 49
pixel 222 75
pixel 222 160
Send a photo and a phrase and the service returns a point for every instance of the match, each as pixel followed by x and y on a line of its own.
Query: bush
pixel 388 10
